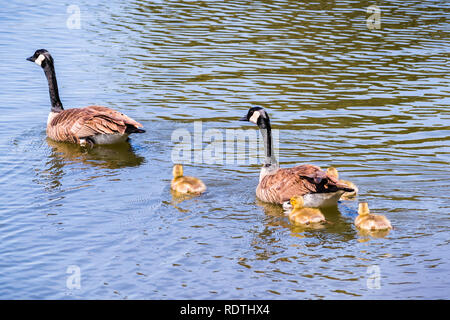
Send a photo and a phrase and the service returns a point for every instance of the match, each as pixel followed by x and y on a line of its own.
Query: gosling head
pixel 258 116
pixel 297 202
pixel 177 171
pixel 332 171
pixel 42 58
pixel 363 208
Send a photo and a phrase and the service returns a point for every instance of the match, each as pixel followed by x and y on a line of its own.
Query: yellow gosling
pixel 184 184
pixel 304 216
pixel 370 222
pixel 331 171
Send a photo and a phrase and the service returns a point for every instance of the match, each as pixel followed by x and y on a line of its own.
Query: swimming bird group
pixel 306 187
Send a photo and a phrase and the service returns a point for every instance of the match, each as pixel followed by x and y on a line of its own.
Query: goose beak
pixel 243 119
pixel 30 59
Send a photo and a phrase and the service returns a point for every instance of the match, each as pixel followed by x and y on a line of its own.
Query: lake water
pixel 373 102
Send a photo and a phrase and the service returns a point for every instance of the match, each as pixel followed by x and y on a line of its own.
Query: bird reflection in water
pixel 336 224
pixel 365 235
pixel 178 197
pixel 104 156
pixel 113 156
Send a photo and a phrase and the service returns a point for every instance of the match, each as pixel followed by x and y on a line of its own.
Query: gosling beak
pixel 30 59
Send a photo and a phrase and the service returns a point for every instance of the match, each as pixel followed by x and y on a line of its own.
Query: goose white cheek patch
pixel 254 117
pixel 39 59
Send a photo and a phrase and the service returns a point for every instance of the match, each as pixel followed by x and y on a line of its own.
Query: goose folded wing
pixel 286 183
pixel 76 123
pixel 97 124
pixel 113 114
pixel 319 181
pixel 298 181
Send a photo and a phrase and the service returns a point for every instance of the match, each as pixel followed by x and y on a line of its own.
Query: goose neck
pixel 266 132
pixel 49 71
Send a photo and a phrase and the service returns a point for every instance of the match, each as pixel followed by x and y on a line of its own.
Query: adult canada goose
pixel 370 222
pixel 332 171
pixel 304 216
pixel 277 185
pixel 184 184
pixel 88 125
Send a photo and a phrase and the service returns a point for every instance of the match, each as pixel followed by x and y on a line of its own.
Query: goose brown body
pixel 284 183
pixel 74 125
pixel 278 185
pixel 92 124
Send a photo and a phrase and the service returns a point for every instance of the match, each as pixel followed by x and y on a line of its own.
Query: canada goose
pixel 332 171
pixel 304 216
pixel 183 184
pixel 277 185
pixel 89 125
pixel 370 222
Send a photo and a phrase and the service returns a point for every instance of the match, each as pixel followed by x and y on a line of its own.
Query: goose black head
pixel 258 116
pixel 42 58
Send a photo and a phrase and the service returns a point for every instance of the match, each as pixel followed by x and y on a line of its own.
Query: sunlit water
pixel 373 103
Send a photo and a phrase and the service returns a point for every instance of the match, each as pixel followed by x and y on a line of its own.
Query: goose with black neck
pixel 278 185
pixel 89 125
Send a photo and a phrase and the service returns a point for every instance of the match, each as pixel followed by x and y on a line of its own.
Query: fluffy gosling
pixel 331 171
pixel 304 216
pixel 184 184
pixel 370 222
